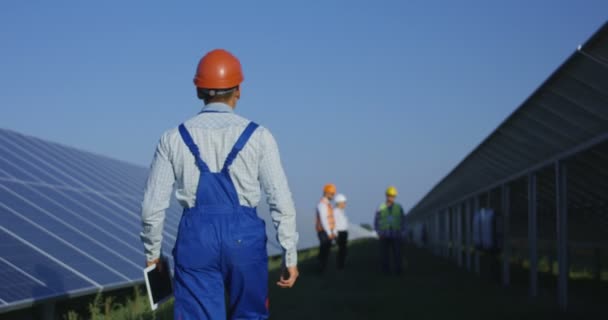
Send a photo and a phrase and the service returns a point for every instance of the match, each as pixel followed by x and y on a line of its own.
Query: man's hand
pixel 288 277
pixel 332 236
pixel 157 262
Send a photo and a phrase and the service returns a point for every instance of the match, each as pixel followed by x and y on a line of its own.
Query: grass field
pixel 430 288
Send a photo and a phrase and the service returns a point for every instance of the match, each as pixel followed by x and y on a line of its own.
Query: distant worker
pixel 325 224
pixel 220 162
pixel 390 225
pixel 341 228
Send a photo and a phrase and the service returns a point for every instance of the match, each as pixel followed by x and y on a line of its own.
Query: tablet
pixel 159 284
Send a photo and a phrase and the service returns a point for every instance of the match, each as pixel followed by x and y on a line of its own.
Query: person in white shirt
pixel 219 164
pixel 325 224
pixel 341 228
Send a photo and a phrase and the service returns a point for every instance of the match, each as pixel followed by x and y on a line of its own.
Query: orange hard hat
pixel 329 188
pixel 218 69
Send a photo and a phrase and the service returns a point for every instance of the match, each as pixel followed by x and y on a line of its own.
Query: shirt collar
pixel 217 107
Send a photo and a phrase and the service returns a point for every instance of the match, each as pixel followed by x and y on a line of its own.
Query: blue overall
pixel 220 246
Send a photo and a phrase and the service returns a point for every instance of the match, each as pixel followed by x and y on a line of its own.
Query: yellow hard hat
pixel 391 191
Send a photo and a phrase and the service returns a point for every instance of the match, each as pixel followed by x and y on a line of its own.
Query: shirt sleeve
pixel 282 209
pixel 157 196
pixel 345 219
pixel 322 210
pixel 377 223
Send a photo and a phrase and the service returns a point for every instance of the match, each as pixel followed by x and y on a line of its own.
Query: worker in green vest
pixel 390 226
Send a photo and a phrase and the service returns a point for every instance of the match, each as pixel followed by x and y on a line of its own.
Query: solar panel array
pixel 565 114
pixel 69 221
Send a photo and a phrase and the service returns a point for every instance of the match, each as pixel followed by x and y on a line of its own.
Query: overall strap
pixel 239 145
pixel 202 166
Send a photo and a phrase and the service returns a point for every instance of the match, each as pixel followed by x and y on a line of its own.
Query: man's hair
pixel 216 95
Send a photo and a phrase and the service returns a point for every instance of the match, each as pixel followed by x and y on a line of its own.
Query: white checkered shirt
pixel 258 166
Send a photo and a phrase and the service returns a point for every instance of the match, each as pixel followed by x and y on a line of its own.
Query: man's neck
pixel 218 107
pixel 231 103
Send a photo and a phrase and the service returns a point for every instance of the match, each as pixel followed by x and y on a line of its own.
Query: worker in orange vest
pixel 325 224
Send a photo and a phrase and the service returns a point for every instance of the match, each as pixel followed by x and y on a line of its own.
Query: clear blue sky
pixel 360 93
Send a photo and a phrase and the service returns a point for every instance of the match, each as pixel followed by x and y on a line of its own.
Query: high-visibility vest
pixel 330 217
pixel 390 219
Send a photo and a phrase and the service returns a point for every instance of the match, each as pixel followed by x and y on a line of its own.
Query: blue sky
pixel 361 93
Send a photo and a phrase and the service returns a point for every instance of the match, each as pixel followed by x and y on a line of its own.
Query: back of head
pixel 218 76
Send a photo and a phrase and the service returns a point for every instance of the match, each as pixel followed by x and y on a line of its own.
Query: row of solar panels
pixel 565 115
pixel 68 221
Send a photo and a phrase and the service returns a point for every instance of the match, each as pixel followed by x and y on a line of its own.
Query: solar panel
pixel 566 112
pixel 70 222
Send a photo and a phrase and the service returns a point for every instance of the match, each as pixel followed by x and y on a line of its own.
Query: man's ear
pixel 237 93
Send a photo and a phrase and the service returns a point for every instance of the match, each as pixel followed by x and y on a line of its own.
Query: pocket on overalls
pixel 248 240
pixel 196 246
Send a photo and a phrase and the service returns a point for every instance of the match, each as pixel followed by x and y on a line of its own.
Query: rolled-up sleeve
pixel 282 210
pixel 157 198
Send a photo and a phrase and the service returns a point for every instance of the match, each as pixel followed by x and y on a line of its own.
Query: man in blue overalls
pixel 219 162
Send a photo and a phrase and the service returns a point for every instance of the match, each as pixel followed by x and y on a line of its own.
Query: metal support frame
pixel 506 253
pixel 532 235
pixel 534 168
pixel 452 233
pixel 561 205
pixel 468 232
pixel 436 239
pixel 430 231
pixel 438 232
pixel 427 231
pixel 477 262
pixel 444 234
pixel 458 224
pixel 448 233
pixel 445 230
pixel 47 310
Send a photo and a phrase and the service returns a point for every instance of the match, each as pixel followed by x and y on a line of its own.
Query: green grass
pixel 430 288
pixel 133 307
